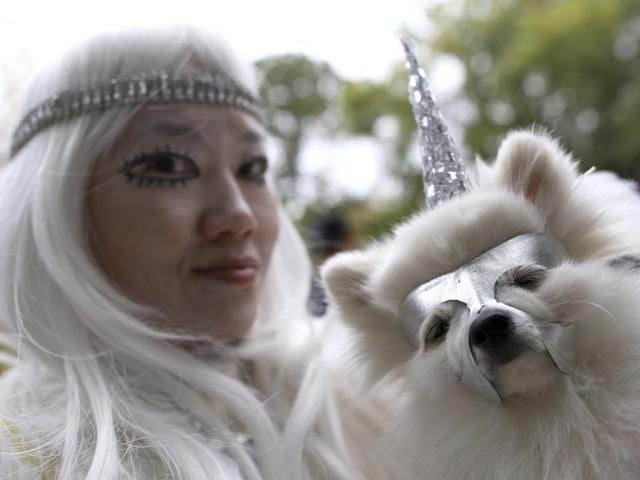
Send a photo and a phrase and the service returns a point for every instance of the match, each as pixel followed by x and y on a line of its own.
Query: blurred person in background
pixel 329 233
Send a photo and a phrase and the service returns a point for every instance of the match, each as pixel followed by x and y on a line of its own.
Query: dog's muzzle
pixel 488 328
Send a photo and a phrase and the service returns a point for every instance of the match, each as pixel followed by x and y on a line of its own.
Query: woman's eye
pixel 254 169
pixel 158 168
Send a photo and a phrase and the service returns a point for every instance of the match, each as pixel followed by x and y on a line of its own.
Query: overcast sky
pixel 359 38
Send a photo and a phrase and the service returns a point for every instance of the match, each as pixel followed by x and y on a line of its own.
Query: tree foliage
pixel 572 66
pixel 299 94
pixel 365 106
pixel 365 103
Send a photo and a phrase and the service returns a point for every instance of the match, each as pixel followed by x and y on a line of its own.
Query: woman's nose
pixel 227 215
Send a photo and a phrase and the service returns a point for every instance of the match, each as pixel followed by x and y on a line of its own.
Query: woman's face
pixel 181 218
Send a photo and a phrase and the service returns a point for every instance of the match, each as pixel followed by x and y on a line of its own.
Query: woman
pixel 154 288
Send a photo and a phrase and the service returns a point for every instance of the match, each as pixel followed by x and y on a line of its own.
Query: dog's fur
pixel 584 425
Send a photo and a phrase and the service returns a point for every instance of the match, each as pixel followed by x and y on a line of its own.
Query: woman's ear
pixel 535 166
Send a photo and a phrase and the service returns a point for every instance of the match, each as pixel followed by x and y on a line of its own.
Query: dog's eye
pixel 434 331
pixel 437 331
pixel 528 277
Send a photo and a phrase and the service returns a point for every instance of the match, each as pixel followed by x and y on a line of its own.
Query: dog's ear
pixel 535 166
pixel 346 276
pixel 380 346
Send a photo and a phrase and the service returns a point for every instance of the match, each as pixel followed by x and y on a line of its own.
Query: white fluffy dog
pixel 581 421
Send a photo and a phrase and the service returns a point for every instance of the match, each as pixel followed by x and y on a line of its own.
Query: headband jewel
pixel 444 171
pixel 156 87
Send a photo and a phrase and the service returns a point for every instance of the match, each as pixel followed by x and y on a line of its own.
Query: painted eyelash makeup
pixel 158 168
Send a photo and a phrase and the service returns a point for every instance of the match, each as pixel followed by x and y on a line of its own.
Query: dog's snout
pixel 494 332
pixel 491 329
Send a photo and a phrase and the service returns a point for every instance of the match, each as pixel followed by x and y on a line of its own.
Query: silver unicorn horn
pixel 444 171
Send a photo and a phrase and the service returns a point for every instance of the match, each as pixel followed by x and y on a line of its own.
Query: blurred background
pixel 333 78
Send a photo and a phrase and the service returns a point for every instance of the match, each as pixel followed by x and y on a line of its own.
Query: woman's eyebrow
pixel 179 129
pixel 171 129
pixel 252 137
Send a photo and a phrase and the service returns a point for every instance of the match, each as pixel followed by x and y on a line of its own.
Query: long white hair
pixel 96 391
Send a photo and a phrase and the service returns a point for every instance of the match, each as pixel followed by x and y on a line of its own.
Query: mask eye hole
pixel 436 332
pixel 439 330
pixel 528 277
pixel 436 328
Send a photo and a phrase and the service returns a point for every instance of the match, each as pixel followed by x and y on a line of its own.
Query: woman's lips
pixel 236 272
pixel 236 276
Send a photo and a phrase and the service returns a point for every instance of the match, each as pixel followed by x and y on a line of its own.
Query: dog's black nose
pixel 494 332
pixel 491 329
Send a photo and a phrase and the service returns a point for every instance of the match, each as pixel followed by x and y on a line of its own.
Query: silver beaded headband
pixel 444 171
pixel 156 87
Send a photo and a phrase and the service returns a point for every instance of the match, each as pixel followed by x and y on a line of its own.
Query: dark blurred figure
pixel 328 234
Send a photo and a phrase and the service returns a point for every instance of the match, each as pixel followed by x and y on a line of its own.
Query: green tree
pixel 364 107
pixel 365 103
pixel 299 96
pixel 572 66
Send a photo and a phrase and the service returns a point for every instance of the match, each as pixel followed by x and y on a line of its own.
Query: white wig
pixel 99 393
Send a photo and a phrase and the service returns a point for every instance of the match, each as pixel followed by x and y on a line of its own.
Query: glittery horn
pixel 444 171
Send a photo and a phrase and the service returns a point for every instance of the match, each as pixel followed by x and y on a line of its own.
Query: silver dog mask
pixel 473 286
